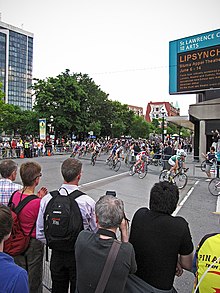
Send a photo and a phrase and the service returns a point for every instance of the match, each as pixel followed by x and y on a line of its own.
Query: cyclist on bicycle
pixel 113 152
pixel 177 161
pixel 96 149
pixel 141 156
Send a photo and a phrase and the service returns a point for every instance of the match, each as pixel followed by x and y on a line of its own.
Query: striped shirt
pixel 7 187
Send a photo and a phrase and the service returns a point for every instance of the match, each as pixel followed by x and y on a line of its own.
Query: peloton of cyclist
pixel 177 161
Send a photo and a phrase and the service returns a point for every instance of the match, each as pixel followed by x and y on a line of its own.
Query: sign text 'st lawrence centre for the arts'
pixel 194 63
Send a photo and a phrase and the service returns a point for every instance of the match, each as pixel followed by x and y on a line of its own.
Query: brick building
pixel 158 110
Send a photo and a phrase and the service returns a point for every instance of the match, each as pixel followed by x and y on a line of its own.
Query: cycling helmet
pixel 182 153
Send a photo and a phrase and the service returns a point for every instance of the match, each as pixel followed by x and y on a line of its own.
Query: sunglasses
pixel 37 176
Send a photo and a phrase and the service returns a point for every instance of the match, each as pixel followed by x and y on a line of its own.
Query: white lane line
pixel 180 205
pixel 104 179
pixel 218 204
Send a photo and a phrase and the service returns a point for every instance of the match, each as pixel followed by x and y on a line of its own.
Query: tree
pixel 60 97
pixel 94 106
pixel 140 127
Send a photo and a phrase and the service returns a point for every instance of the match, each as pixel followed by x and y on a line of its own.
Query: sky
pixel 123 45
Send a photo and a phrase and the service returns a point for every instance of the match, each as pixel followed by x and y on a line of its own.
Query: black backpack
pixel 62 221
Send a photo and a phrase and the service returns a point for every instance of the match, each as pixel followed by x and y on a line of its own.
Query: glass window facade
pixel 20 60
pixel 2 59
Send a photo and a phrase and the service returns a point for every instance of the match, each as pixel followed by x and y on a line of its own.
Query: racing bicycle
pixel 114 164
pixel 93 158
pixel 179 179
pixel 214 186
pixel 141 169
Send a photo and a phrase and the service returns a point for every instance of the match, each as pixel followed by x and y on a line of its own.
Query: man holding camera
pixel 92 249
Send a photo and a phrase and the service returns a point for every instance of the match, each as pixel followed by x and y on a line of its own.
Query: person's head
pixel 71 170
pixel 212 149
pixel 8 169
pixel 5 222
pixel 182 154
pixel 109 211
pixel 30 173
pixel 164 197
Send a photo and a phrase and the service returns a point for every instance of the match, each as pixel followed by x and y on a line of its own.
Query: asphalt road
pixel 196 204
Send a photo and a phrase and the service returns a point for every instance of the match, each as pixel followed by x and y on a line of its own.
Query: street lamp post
pixel 163 113
pixel 52 136
pixel 111 129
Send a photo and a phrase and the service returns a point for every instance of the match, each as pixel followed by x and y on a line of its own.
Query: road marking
pixel 218 204
pixel 104 179
pixel 180 205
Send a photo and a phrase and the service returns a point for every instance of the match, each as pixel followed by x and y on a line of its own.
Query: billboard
pixel 194 63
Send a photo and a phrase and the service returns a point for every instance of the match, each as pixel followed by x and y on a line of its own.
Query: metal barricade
pixel 47 282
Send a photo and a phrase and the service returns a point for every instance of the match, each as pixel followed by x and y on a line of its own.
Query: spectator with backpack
pixel 12 277
pixel 8 171
pixel 63 214
pixel 32 258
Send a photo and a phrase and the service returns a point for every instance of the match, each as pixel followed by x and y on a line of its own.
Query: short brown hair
pixel 29 171
pixel 70 169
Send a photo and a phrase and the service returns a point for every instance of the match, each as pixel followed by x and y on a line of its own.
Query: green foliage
pixel 78 106
pixel 60 97
pixel 140 128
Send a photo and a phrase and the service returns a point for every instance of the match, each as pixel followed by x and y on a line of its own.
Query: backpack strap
pixel 110 260
pixel 76 193
pixel 24 202
pixel 11 198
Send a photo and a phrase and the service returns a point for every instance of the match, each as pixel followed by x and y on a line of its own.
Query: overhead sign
pixel 194 63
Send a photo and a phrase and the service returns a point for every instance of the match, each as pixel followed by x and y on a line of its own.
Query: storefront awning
pixel 181 121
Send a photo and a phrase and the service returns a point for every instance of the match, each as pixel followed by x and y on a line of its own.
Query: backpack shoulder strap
pixel 54 193
pixel 76 193
pixel 24 202
pixel 11 198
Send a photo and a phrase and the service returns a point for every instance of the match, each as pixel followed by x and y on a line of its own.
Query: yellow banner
pixel 42 128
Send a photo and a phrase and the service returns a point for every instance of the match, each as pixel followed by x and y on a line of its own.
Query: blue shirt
pixel 13 279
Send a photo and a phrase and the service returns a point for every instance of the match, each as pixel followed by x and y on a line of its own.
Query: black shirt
pixel 157 239
pixel 91 253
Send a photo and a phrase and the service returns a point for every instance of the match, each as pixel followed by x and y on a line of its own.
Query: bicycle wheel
pixel 163 176
pixel 203 165
pixel 117 166
pixel 143 171
pixel 127 162
pixel 93 160
pixel 132 170
pixel 110 163
pixel 214 186
pixel 180 180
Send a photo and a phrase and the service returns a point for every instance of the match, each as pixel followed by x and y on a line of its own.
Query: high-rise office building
pixel 16 62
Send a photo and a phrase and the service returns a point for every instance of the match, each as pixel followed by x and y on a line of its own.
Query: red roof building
pixel 158 110
pixel 137 110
